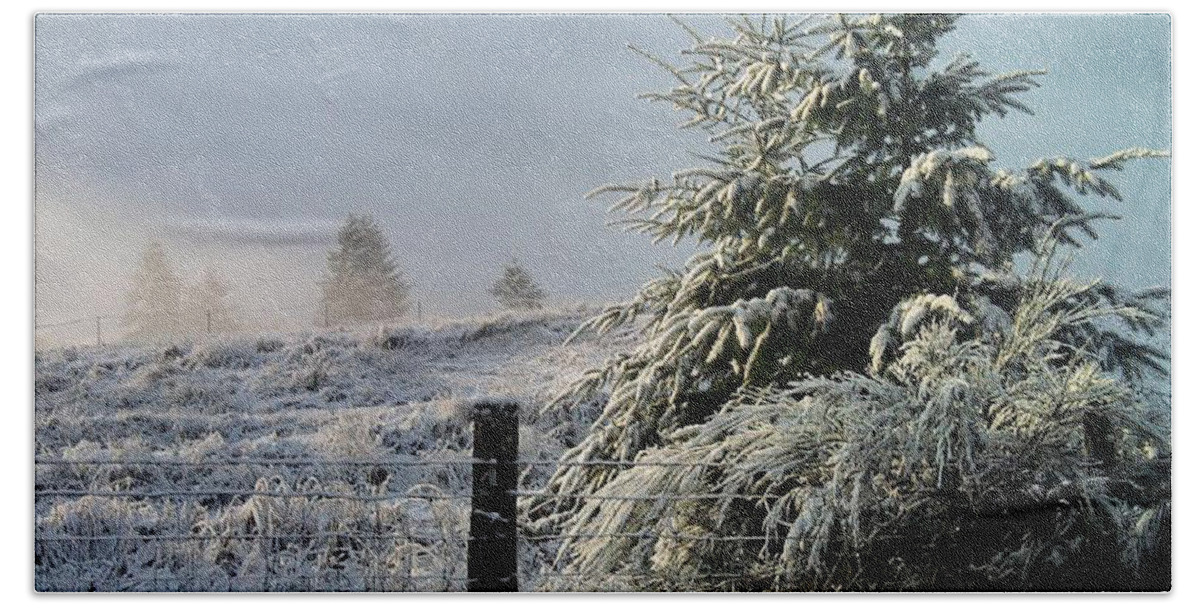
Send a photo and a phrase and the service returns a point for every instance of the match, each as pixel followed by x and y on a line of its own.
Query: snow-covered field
pixel 271 413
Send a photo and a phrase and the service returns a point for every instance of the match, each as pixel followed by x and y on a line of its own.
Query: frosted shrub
pixel 390 338
pixel 266 345
pixel 302 368
pixel 204 395
pixel 312 371
pixel 222 353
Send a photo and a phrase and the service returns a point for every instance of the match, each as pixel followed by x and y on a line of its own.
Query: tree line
pixel 362 283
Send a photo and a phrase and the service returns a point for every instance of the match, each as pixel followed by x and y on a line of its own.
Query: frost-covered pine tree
pixel 516 289
pixel 849 199
pixel 363 281
pixel 152 304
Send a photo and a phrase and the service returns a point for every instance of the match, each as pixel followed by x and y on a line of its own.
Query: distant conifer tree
pixel 516 289
pixel 208 307
pixel 153 301
pixel 363 281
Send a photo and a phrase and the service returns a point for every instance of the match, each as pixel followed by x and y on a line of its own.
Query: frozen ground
pixel 255 413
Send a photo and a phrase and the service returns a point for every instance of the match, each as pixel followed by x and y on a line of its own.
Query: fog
pixel 242 141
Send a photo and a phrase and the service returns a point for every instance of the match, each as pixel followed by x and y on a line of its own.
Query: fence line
pixel 617 463
pixel 241 492
pixel 72 321
pixel 735 575
pixel 254 462
pixel 369 497
pixel 381 462
pixel 241 583
pixel 490 542
pixel 208 537
pixel 587 496
pixel 642 535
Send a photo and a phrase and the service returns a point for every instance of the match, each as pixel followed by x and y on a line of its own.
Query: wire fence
pixel 104 524
pixel 113 328
pixel 70 322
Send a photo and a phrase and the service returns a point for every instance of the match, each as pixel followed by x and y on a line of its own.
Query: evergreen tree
pixel 363 282
pixel 153 300
pixel 208 308
pixel 516 289
pixel 850 199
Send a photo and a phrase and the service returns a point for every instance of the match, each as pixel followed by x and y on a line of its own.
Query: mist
pixel 242 141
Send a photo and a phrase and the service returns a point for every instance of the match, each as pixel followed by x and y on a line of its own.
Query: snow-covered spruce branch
pixel 850 173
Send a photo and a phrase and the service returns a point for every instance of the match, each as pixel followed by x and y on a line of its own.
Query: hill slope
pixel 271 412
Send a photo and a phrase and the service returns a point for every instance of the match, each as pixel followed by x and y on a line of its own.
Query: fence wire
pixel 72 321
pixel 245 492
pixel 371 540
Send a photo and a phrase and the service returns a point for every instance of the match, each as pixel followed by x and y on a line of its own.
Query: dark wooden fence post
pixel 492 549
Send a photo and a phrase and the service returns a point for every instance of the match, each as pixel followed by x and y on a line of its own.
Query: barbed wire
pixel 641 535
pixel 243 492
pixel 211 537
pixel 396 536
pixel 72 321
pixel 617 463
pixel 363 462
pixel 602 576
pixel 239 582
pixel 391 496
pixel 587 496
pixel 411 577
pixel 254 462
pixel 283 581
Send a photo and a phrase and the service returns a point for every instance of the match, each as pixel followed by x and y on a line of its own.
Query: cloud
pixel 254 232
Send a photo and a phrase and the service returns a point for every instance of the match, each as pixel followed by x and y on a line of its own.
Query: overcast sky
pixel 242 140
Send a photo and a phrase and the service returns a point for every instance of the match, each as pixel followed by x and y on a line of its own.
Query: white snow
pixel 396 392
